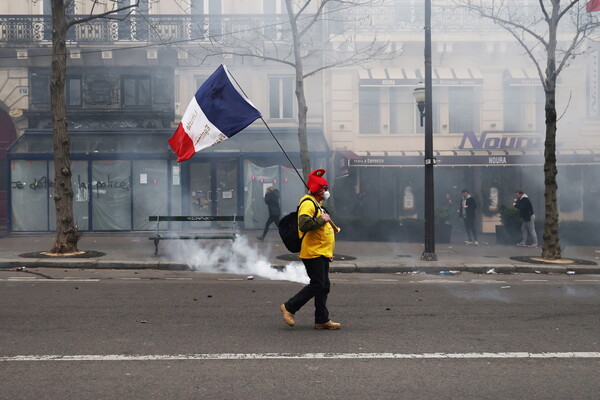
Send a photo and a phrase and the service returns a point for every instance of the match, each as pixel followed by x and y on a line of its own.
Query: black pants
pixel 470 228
pixel 272 218
pixel 318 272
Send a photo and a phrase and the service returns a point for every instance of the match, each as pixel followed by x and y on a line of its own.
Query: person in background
pixel 523 204
pixel 272 201
pixel 467 213
pixel 316 253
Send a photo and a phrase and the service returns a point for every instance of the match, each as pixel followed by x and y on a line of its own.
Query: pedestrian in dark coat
pixel 272 201
pixel 467 213
pixel 523 204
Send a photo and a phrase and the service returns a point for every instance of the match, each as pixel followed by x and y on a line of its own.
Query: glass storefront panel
pixel 176 194
pixel 111 191
pixel 29 195
pixel 81 195
pixel 149 192
pixel 227 193
pixel 292 189
pixel 256 181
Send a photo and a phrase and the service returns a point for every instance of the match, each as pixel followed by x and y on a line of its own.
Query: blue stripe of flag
pixel 223 105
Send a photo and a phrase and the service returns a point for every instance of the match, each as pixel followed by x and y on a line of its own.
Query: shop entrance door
pixel 213 187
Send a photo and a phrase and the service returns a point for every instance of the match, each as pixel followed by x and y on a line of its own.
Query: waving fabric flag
pixel 593 5
pixel 217 112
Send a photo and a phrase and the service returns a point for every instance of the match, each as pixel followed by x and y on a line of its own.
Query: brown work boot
pixel 329 325
pixel 288 317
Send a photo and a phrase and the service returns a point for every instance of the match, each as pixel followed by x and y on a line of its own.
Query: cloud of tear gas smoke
pixel 236 257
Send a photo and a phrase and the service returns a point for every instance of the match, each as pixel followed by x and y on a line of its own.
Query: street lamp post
pixel 423 96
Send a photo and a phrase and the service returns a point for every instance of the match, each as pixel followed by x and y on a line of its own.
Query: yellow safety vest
pixel 318 242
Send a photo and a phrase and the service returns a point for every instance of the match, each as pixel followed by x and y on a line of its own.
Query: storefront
pixel 383 185
pixel 120 178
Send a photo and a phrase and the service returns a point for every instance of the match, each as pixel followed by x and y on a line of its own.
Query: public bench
pixel 229 233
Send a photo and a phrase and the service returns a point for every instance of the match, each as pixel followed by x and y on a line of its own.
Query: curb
pixel 338 267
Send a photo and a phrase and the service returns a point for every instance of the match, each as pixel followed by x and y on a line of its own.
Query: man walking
pixel 523 204
pixel 316 253
pixel 467 213
pixel 272 201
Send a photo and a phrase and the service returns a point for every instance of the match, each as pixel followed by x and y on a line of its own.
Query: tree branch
pixel 505 23
pixel 106 14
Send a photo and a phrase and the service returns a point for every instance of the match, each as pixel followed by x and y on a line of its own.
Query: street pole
pixel 429 252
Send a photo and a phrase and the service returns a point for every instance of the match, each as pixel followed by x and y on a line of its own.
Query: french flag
pixel 217 112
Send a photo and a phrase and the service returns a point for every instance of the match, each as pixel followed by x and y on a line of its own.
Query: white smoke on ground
pixel 236 257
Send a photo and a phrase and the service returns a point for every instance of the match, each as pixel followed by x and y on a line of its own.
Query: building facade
pixel 129 82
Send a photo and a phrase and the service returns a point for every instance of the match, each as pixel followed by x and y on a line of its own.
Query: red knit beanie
pixel 316 180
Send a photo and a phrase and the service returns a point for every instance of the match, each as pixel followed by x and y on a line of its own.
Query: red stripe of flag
pixel 182 144
pixel 593 5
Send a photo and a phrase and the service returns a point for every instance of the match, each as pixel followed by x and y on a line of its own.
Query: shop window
pixel 523 108
pixel 281 97
pixel 463 109
pixel 136 91
pixel 111 191
pixel 201 9
pixel 81 195
pixel 162 91
pixel 29 195
pixel 40 90
pixel 150 191
pixel 73 91
pixel 392 110
pixel 273 30
pixel 370 110
pixel 402 110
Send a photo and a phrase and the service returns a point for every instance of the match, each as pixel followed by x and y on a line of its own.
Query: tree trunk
pixel 551 248
pixel 67 235
pixel 300 96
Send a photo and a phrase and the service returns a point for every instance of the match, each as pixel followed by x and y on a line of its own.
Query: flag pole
pixel 272 134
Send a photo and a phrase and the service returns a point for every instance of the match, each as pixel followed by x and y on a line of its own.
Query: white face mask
pixel 326 195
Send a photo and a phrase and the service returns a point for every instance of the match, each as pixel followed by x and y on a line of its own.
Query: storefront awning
pixel 471 158
pixel 522 77
pixel 411 77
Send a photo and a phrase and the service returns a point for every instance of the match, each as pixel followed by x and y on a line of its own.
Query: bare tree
pixel 537 31
pixel 316 36
pixel 67 234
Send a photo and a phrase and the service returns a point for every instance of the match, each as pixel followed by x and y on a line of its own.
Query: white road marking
pixel 385 280
pixel 296 356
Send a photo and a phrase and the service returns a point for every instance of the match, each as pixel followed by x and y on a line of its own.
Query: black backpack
pixel 288 229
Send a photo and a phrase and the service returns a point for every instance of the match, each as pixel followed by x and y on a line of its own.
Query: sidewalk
pixel 135 251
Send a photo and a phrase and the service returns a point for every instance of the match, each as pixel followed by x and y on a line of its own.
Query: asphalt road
pixel 88 334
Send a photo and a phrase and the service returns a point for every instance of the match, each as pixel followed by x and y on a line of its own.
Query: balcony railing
pixel 151 29
pixel 173 28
